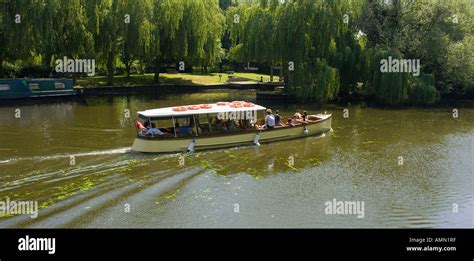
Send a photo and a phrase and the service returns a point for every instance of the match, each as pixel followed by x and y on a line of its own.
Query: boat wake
pixel 61 156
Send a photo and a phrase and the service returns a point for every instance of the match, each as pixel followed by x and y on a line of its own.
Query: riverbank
pixel 279 96
pixel 160 89
pixel 178 79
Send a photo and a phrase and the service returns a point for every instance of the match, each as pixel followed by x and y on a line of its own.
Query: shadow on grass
pixel 133 80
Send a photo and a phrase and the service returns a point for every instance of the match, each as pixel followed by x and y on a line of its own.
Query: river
pixel 412 168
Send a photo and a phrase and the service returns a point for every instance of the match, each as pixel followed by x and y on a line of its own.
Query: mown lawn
pixel 172 79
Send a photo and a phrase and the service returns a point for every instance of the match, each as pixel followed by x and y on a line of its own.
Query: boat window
pixel 184 126
pixel 59 85
pixel 34 86
pixel 156 128
pixel 4 87
pixel 214 123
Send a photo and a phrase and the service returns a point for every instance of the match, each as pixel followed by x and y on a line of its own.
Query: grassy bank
pixel 171 79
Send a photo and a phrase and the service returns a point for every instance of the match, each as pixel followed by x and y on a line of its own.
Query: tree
pixel 135 32
pixel 65 33
pixel 17 33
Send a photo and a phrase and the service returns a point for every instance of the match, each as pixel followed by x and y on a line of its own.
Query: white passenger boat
pixel 217 125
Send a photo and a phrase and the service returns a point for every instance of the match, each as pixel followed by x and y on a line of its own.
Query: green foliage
pixel 315 82
pixel 438 33
pixel 150 31
pixel 423 90
pixel 335 46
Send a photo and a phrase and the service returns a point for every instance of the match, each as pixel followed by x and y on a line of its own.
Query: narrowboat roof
pixel 186 110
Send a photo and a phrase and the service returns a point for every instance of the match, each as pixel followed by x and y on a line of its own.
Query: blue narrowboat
pixel 14 89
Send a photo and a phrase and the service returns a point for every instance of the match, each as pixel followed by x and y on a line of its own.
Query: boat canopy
pixel 188 110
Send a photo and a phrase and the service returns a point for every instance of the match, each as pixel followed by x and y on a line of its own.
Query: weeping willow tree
pixel 64 31
pixel 18 19
pixel 166 20
pixel 310 39
pixel 185 30
pixel 318 39
pixel 134 33
pixel 236 20
pixel 394 88
pixel 422 90
pixel 201 31
pixel 385 88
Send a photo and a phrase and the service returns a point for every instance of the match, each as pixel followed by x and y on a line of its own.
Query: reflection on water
pixel 74 158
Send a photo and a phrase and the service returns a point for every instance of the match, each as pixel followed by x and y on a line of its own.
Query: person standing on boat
pixel 269 120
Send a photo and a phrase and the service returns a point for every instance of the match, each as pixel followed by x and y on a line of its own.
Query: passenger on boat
pixel 278 119
pixel 147 124
pixel 269 120
pixel 297 116
pixel 192 125
pixel 290 122
pixel 218 125
pixel 185 129
pixel 244 124
pixel 154 131
pixel 305 115
pixel 231 125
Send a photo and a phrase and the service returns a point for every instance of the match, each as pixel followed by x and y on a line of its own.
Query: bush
pixel 423 91
pixel 10 70
pixel 35 71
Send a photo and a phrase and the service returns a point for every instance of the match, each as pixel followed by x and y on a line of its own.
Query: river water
pixel 409 167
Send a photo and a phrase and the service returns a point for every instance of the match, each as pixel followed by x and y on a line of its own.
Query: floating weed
pixel 252 171
pixel 73 188
pixel 314 162
pixel 86 185
pixel 131 165
pixel 172 195
pixel 46 203
pixel 207 165
pixel 291 166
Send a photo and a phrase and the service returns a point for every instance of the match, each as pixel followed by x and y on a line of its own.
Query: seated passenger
pixel 297 116
pixel 185 130
pixel 290 122
pixel 231 125
pixel 193 123
pixel 269 120
pixel 278 119
pixel 154 131
pixel 176 127
pixel 218 125
pixel 147 124
pixel 305 115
